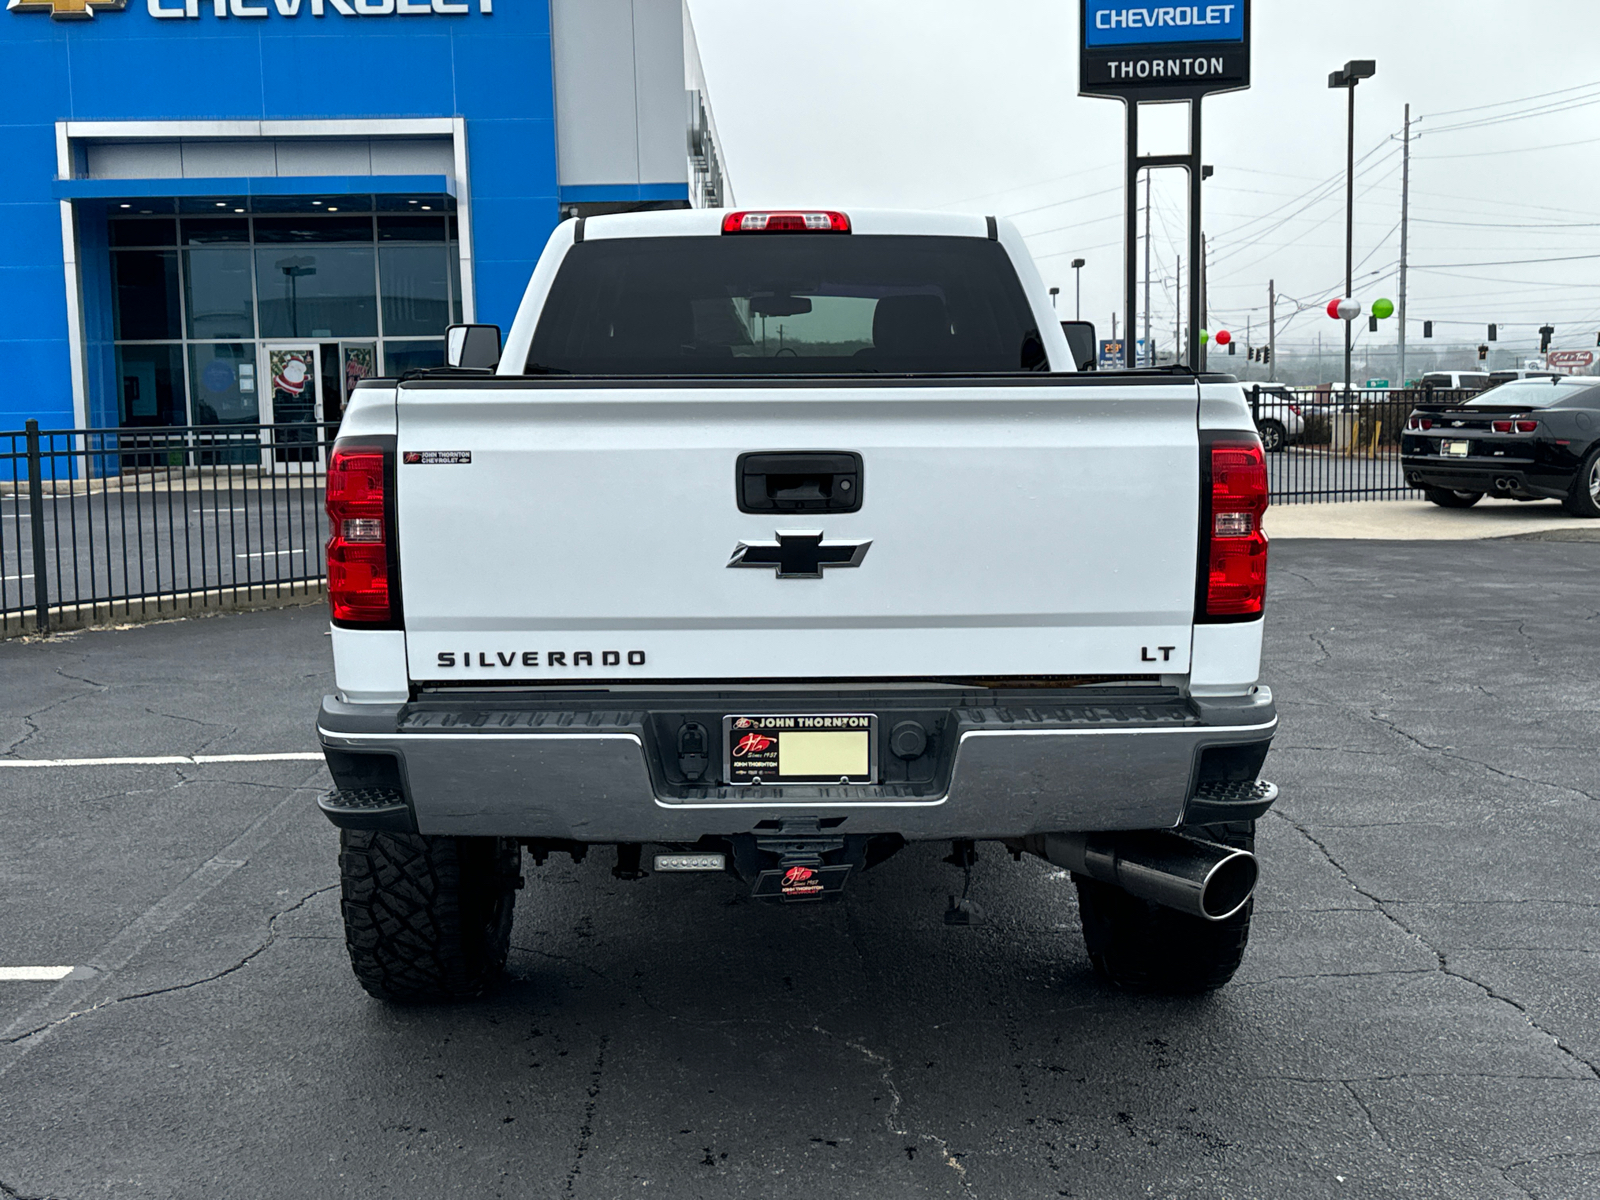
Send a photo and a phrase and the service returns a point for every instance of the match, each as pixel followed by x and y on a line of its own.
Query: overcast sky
pixel 972 106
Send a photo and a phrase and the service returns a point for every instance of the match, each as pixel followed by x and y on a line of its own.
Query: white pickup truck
pixel 771 542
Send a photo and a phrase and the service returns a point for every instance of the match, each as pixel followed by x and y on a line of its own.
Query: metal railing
pixel 101 523
pixel 1338 445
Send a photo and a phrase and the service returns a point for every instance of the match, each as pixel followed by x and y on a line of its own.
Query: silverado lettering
pixel 447 659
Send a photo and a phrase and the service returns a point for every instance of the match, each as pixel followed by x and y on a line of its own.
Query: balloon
pixel 1204 337
pixel 1224 337
pixel 1333 309
pixel 1349 309
pixel 1382 309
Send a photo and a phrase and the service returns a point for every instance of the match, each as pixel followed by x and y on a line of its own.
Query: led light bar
pixel 690 862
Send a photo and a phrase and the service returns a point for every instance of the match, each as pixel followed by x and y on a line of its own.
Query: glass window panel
pixel 144 233
pixel 223 382
pixel 198 232
pixel 416 289
pixel 150 386
pixel 313 229
pixel 411 229
pixel 217 292
pixel 146 290
pixel 455 283
pixel 327 292
pixel 400 357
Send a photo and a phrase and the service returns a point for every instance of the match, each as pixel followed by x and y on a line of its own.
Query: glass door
pixel 292 378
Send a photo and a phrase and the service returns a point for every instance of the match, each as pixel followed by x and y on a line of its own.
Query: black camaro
pixel 1530 439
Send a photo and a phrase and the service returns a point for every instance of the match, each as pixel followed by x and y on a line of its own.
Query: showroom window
pixel 197 301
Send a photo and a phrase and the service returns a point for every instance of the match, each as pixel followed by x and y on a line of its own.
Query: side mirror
pixel 476 347
pixel 1082 342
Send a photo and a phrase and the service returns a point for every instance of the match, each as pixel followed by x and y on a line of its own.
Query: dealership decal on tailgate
pixel 804 748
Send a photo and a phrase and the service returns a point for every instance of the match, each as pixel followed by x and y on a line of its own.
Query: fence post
pixel 1255 403
pixel 41 592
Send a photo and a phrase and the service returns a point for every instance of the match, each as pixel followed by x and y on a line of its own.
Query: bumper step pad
pixel 368 808
pixel 1226 800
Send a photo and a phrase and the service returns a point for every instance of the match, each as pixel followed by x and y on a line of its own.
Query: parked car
pixel 1455 381
pixel 1530 439
pixel 1496 378
pixel 1278 418
pixel 774 600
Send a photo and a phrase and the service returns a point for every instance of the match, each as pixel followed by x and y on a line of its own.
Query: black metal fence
pixel 96 524
pixel 1329 444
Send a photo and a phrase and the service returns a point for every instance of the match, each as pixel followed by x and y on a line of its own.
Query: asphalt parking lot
pixel 1416 1016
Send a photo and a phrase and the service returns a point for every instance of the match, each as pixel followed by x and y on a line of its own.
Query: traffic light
pixel 1427 329
pixel 1546 332
pixel 1233 347
pixel 1494 333
pixel 1266 352
pixel 1483 353
pixel 1372 324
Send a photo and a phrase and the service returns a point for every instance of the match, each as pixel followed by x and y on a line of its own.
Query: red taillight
pixel 1295 409
pixel 786 222
pixel 1236 567
pixel 1501 426
pixel 1419 423
pixel 1527 426
pixel 358 537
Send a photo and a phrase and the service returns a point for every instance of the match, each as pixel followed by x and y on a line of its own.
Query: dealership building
pixel 212 207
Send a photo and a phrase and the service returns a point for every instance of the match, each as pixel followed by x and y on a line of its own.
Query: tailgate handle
pixel 799 481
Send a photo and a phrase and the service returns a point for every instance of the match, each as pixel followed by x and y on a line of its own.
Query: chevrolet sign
pixel 1163 51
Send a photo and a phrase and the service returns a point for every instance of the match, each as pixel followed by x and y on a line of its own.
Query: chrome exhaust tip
pixel 1200 878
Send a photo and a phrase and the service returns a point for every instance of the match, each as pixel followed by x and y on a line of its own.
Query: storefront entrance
pixel 293 402
pixel 272 318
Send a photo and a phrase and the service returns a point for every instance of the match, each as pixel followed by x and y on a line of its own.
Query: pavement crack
pixel 1327 655
pixel 1372 1122
pixel 886 1076
pixel 591 1101
pixel 11 1193
pixel 272 936
pixel 1448 752
pixel 1440 957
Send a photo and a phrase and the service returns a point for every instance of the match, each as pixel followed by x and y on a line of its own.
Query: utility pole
pixel 1149 347
pixel 1405 215
pixel 1177 312
pixel 1272 331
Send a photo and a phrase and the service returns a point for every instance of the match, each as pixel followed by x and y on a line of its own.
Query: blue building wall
pixel 492 69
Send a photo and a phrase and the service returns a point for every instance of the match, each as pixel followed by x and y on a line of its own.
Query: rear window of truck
pixel 808 304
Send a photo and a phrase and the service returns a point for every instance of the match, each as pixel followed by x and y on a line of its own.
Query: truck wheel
pixel 1150 948
pixel 1584 498
pixel 1274 437
pixel 427 919
pixel 1445 498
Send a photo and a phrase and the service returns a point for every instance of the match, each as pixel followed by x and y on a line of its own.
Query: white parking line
pixel 15 578
pixel 163 760
pixel 269 553
pixel 33 974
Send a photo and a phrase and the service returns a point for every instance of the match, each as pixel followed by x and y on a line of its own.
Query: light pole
pixel 1353 73
pixel 1077 287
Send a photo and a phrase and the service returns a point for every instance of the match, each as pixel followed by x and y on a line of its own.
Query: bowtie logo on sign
pixel 67 10
pixel 190 9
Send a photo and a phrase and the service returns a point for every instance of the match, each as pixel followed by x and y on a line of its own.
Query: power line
pixel 1450 112
pixel 1507 262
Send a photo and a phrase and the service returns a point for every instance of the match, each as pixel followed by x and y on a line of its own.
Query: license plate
pixel 813 748
pixel 1455 449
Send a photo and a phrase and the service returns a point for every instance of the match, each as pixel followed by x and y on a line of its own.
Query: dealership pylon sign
pixel 1163 51
pixel 1152 53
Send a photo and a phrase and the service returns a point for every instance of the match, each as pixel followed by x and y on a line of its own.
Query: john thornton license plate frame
pixel 818 749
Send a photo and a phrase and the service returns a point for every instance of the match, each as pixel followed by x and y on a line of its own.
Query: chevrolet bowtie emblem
pixel 67 10
pixel 799 554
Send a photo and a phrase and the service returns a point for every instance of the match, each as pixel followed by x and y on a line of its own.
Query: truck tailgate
pixel 553 532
